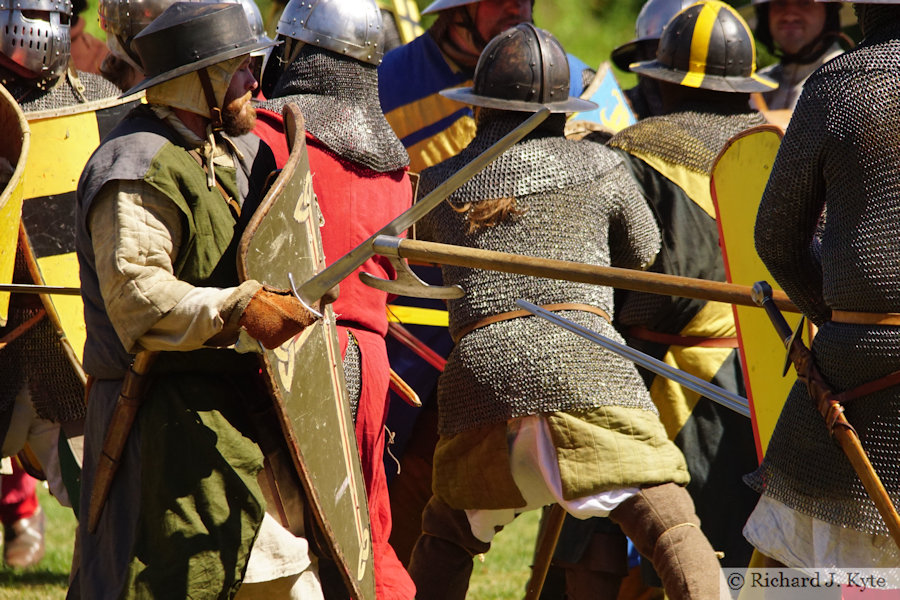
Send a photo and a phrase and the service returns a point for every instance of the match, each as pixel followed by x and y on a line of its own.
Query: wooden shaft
pixel 551 525
pixel 629 279
pixel 850 444
pixel 129 401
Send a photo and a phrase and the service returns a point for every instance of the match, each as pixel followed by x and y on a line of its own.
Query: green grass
pixel 49 579
pixel 501 574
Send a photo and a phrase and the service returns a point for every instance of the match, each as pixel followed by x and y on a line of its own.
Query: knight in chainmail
pixel 803 36
pixel 837 157
pixel 41 387
pixel 528 411
pixel 705 102
pixel 644 97
pixel 328 68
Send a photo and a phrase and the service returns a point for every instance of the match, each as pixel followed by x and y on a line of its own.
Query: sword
pixel 831 410
pixel 315 288
pixel 709 390
pixel 129 401
pixel 27 288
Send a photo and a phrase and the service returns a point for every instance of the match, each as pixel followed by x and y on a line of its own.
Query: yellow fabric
pixel 694 184
pixel 674 402
pixel 415 315
pixel 607 448
pixel 186 92
pixel 441 146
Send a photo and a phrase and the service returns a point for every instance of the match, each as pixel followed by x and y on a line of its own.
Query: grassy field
pixel 499 575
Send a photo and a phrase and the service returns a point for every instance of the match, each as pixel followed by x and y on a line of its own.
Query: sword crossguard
pixel 761 294
pixel 315 312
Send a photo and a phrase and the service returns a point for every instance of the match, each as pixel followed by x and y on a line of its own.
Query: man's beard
pixel 238 116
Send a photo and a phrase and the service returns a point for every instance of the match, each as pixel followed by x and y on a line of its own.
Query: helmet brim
pixel 719 83
pixel 466 95
pixel 250 48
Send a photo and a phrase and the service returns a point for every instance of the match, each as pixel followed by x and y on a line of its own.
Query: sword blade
pixel 709 390
pixel 315 288
pixel 27 288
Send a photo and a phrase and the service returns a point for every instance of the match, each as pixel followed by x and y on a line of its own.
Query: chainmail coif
pixel 63 94
pixel 338 97
pixel 839 152
pixel 578 203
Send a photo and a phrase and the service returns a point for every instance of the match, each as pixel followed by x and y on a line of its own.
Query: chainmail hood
pixel 691 138
pixel 338 97
pixel 543 161
pixel 69 90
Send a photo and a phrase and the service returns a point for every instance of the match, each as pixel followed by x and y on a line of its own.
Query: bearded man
pixel 161 206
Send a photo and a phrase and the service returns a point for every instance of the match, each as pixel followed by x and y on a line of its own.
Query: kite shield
pixel 304 375
pixel 739 178
pixel 14 144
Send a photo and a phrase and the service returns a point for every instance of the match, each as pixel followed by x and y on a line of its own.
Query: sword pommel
pixel 761 292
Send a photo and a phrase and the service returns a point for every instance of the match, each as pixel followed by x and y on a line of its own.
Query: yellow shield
pixel 14 148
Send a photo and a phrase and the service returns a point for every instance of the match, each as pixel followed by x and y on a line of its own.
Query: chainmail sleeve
pixel 633 234
pixel 789 212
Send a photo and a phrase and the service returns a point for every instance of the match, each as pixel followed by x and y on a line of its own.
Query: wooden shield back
pixel 14 147
pixel 62 141
pixel 738 180
pixel 305 375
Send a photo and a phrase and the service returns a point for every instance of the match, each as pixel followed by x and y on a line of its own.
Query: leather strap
pixel 865 318
pixel 669 339
pixel 876 385
pixel 231 202
pixel 515 314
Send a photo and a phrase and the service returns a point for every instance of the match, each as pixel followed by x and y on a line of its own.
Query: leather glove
pixel 274 316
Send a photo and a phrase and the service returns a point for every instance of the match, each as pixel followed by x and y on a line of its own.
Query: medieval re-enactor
pixel 359 175
pixel 837 162
pixel 804 35
pixel 531 414
pixel 161 206
pixel 648 27
pixel 705 101
pixel 39 385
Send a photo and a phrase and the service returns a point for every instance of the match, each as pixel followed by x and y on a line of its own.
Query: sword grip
pixel 762 296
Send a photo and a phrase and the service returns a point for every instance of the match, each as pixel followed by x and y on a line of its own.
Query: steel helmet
pixel 189 36
pixel 522 69
pixel 124 19
pixel 40 45
pixel 349 27
pixel 707 45
pixel 648 28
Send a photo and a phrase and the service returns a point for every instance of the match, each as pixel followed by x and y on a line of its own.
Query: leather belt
pixel 515 314
pixel 687 341
pixel 865 318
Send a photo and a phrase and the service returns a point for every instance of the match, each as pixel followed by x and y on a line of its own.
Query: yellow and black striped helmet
pixel 707 45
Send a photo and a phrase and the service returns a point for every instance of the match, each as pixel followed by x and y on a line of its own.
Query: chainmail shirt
pixel 579 204
pixel 86 87
pixel 338 97
pixel 839 153
pixel 691 139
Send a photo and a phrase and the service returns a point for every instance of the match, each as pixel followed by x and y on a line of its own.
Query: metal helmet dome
pixel 707 45
pixel 189 36
pixel 349 27
pixel 648 28
pixel 39 43
pixel 124 19
pixel 522 69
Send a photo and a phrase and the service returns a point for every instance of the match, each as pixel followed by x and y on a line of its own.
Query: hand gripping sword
pixel 709 390
pixel 830 408
pixel 315 288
